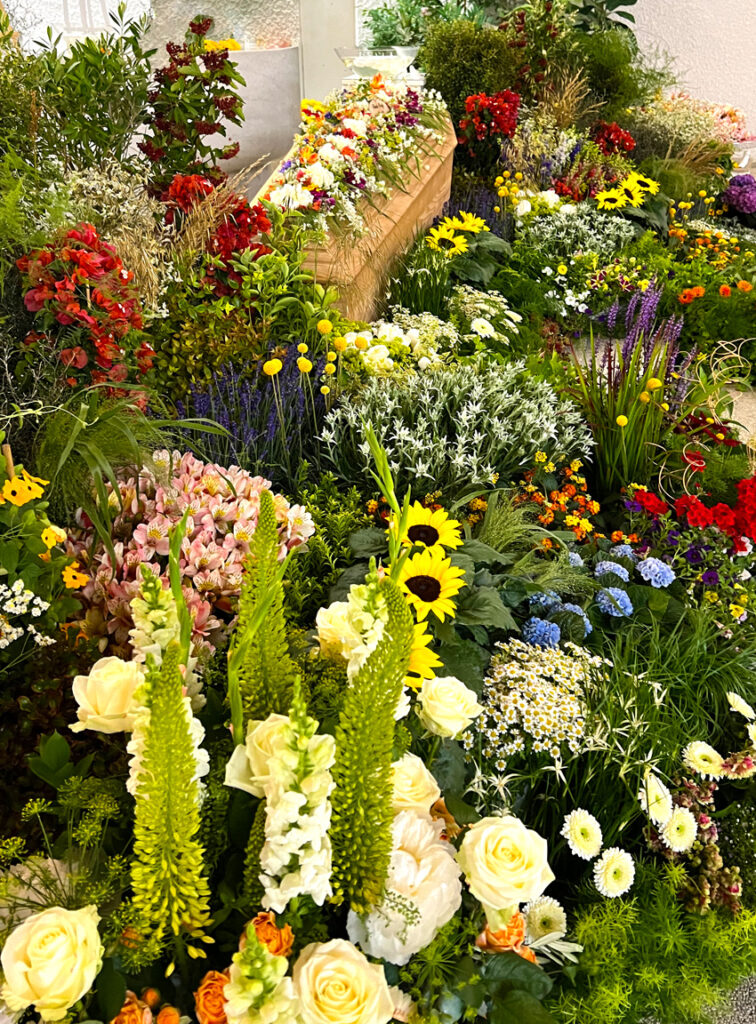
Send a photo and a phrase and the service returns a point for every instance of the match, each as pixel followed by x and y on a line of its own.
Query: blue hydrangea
pixel 656 572
pixel 602 568
pixel 613 601
pixel 577 610
pixel 623 551
pixel 575 560
pixel 541 633
pixel 545 601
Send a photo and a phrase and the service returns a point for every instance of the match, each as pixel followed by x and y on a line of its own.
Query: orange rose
pixel 509 938
pixel 133 1011
pixel 151 996
pixel 209 1001
pixel 168 1015
pixel 278 940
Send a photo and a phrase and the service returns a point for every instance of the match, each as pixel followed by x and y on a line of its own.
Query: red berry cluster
pixel 610 138
pixel 488 117
pixel 530 32
pixel 85 306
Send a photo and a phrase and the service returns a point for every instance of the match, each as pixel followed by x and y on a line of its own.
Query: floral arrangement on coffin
pixel 223 506
pixel 86 309
pixel 359 143
pixel 351 852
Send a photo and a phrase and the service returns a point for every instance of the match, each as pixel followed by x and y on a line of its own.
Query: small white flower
pixel 482 327
pixel 680 831
pixel 742 707
pixel 583 834
pixel 614 872
pixel 544 916
pixel 703 758
pixel 655 799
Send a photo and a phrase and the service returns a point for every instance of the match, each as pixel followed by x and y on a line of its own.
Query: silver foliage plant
pixel 454 428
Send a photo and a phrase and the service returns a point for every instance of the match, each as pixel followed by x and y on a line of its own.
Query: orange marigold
pixel 745 286
pixel 725 291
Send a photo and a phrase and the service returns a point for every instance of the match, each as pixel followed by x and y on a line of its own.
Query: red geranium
pixel 488 117
pixel 610 138
pixel 650 503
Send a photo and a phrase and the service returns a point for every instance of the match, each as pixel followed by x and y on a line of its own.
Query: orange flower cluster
pixel 509 939
pixel 569 506
pixel 689 294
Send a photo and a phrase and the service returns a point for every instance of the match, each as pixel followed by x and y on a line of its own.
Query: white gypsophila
pixel 296 855
pixel 742 707
pixel 680 830
pixel 544 916
pixel 655 799
pixel 583 834
pixel 423 892
pixel 614 872
pixel 18 601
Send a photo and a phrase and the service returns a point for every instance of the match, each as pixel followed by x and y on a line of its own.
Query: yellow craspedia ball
pixel 622 421
pixel 301 347
pixel 329 368
pixel 325 390
pixel 324 326
pixel 304 364
pixel 653 384
pixel 645 397
pixel 340 344
pixel 360 342
pixel 272 367
pixel 331 357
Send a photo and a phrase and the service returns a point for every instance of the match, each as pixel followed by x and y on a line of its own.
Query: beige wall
pixel 713 43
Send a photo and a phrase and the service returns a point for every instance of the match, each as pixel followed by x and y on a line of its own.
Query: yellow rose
pixel 247 768
pixel 504 864
pixel 106 696
pixel 447 706
pixel 415 789
pixel 51 961
pixel 336 984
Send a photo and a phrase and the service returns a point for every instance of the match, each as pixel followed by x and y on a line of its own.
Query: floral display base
pixel 358 266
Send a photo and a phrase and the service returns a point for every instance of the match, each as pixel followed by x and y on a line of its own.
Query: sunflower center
pixel 423 533
pixel 427 588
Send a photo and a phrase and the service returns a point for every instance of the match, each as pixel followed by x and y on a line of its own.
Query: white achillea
pixel 680 831
pixel 583 834
pixel 614 872
pixel 655 799
pixel 483 315
pixel 15 602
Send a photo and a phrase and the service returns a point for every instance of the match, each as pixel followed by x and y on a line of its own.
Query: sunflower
pixel 611 199
pixel 647 184
pixel 443 239
pixel 422 661
pixel 430 582
pixel 431 528
pixel 633 193
pixel 467 222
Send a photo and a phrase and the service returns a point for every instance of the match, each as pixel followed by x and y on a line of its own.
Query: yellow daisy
pixel 443 239
pixel 422 660
pixel 611 199
pixel 432 528
pixel 430 582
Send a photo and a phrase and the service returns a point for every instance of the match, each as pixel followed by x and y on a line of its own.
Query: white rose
pixel 378 359
pixel 336 635
pixel 415 789
pixel 106 696
pixel 51 961
pixel 290 196
pixel 423 872
pixel 524 206
pixel 335 984
pixel 447 706
pixel 247 768
pixel 357 125
pixel 504 864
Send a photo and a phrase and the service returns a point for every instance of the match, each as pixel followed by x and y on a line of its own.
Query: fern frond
pixel 362 815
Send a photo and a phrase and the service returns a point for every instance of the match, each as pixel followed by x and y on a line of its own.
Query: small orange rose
pixel 278 940
pixel 169 1015
pixel 151 996
pixel 133 1011
pixel 209 1001
pixel 506 939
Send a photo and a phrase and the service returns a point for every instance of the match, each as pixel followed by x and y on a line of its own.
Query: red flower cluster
pixel 736 522
pixel 715 431
pixel 183 192
pixel 610 138
pixel 489 116
pixel 240 231
pixel 650 503
pixel 86 307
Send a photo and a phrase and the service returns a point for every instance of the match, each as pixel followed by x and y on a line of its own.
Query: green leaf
pixel 506 971
pixel 467 661
pixel 111 990
pixel 518 1007
pixel 482 606
pixel 55 751
pixel 449 767
pixel 462 812
pixel 480 552
pixel 368 542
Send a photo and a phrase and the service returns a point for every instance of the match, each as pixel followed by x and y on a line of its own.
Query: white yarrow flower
pixel 583 834
pixel 614 872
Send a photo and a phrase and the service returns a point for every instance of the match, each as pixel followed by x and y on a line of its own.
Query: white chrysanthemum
pixel 680 831
pixel 482 327
pixel 752 733
pixel 614 872
pixel 655 799
pixel 544 916
pixel 704 759
pixel 741 706
pixel 583 834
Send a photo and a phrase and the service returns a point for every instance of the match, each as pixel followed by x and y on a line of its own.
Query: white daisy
pixel 741 706
pixel 614 872
pixel 583 834
pixel 655 799
pixel 703 758
pixel 482 327
pixel 544 916
pixel 680 831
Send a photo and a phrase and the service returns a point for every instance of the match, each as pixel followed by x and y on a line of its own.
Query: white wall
pixel 713 43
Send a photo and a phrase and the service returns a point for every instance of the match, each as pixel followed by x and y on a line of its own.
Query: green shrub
pixel 617 72
pixel 737 843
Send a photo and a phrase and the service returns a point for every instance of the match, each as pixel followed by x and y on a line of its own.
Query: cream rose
pixel 247 768
pixel 51 961
pixel 415 789
pixel 447 706
pixel 106 696
pixel 336 984
pixel 504 864
pixel 336 634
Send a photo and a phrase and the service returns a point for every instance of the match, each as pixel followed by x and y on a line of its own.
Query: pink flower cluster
pixel 223 506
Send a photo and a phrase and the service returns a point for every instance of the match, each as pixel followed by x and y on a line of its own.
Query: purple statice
pixel 615 602
pixel 656 572
pixel 740 194
pixel 604 568
pixel 541 633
